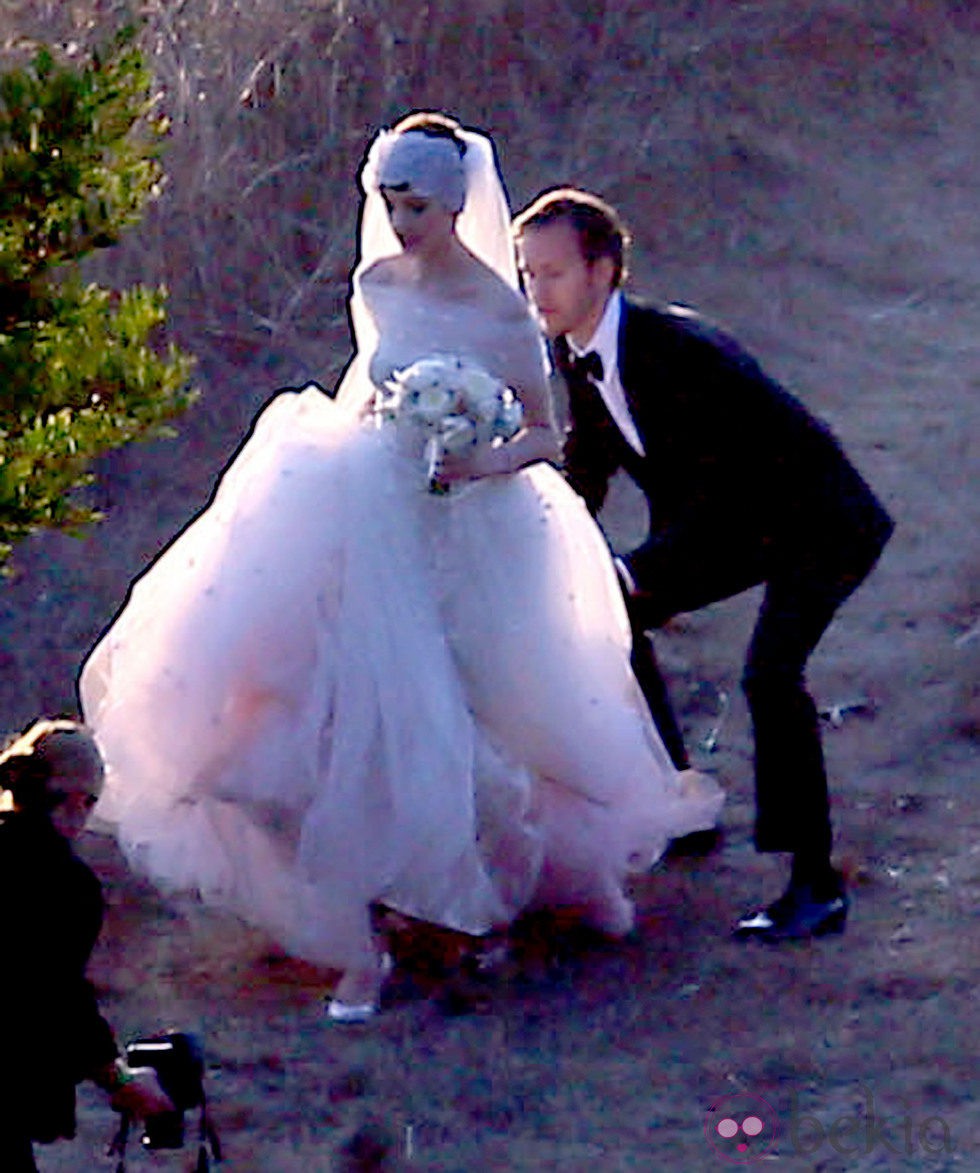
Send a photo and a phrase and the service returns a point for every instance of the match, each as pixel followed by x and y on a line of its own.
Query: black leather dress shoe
pixel 799 913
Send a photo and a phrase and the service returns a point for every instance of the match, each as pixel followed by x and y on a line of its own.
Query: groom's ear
pixel 603 272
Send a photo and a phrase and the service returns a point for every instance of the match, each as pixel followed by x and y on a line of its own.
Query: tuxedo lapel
pixel 636 361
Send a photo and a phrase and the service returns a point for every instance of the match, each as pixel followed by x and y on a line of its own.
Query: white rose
pixel 481 393
pixel 429 402
pixel 424 390
pixel 458 434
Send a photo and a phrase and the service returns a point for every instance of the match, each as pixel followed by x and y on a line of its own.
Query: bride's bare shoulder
pixel 505 302
pixel 385 272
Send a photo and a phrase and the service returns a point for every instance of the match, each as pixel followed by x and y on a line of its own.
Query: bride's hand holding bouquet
pixel 466 413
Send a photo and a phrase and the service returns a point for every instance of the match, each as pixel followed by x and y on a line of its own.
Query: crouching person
pixel 52 1036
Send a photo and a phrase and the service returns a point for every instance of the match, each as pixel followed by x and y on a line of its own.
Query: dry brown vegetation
pixel 806 172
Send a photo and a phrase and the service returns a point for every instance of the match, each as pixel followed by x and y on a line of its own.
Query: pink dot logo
pixel 742 1128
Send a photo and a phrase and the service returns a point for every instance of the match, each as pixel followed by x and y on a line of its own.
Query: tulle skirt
pixel 336 689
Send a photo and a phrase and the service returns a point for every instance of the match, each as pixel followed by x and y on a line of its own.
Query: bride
pixel 340 688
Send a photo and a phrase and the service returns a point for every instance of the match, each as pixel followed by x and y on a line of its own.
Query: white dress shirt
pixel 605 342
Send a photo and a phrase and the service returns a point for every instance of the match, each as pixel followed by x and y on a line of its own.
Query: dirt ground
pixel 810 178
pixel 857 1053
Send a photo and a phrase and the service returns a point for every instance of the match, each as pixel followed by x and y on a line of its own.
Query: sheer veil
pixel 483 226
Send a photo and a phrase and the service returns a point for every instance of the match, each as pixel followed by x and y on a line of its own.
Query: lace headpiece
pixel 427 165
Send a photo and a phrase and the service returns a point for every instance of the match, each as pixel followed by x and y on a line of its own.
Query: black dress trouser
pixel 792 803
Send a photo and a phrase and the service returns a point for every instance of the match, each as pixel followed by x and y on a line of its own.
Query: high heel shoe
pixel 350 1012
pixel 341 1010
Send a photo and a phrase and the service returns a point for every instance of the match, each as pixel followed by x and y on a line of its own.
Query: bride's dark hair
pixel 433 124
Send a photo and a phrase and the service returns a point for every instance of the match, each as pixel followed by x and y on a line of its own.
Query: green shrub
pixel 82 370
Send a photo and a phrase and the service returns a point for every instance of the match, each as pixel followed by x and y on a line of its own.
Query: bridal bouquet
pixel 458 403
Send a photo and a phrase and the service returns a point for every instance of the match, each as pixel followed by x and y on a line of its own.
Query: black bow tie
pixel 586 366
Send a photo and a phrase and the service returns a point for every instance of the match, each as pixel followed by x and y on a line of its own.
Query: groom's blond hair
pixel 598 226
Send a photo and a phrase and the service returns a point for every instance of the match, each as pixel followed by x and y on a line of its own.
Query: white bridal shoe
pixel 341 1010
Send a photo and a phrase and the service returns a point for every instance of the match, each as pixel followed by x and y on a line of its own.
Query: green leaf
pixel 82 369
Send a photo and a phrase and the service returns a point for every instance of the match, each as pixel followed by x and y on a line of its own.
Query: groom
pixel 744 487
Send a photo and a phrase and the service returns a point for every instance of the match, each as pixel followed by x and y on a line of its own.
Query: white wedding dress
pixel 336 688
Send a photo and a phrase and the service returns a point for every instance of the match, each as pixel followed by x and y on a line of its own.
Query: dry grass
pixel 690 117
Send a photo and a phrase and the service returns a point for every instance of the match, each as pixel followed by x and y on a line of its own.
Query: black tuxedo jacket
pixel 742 482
